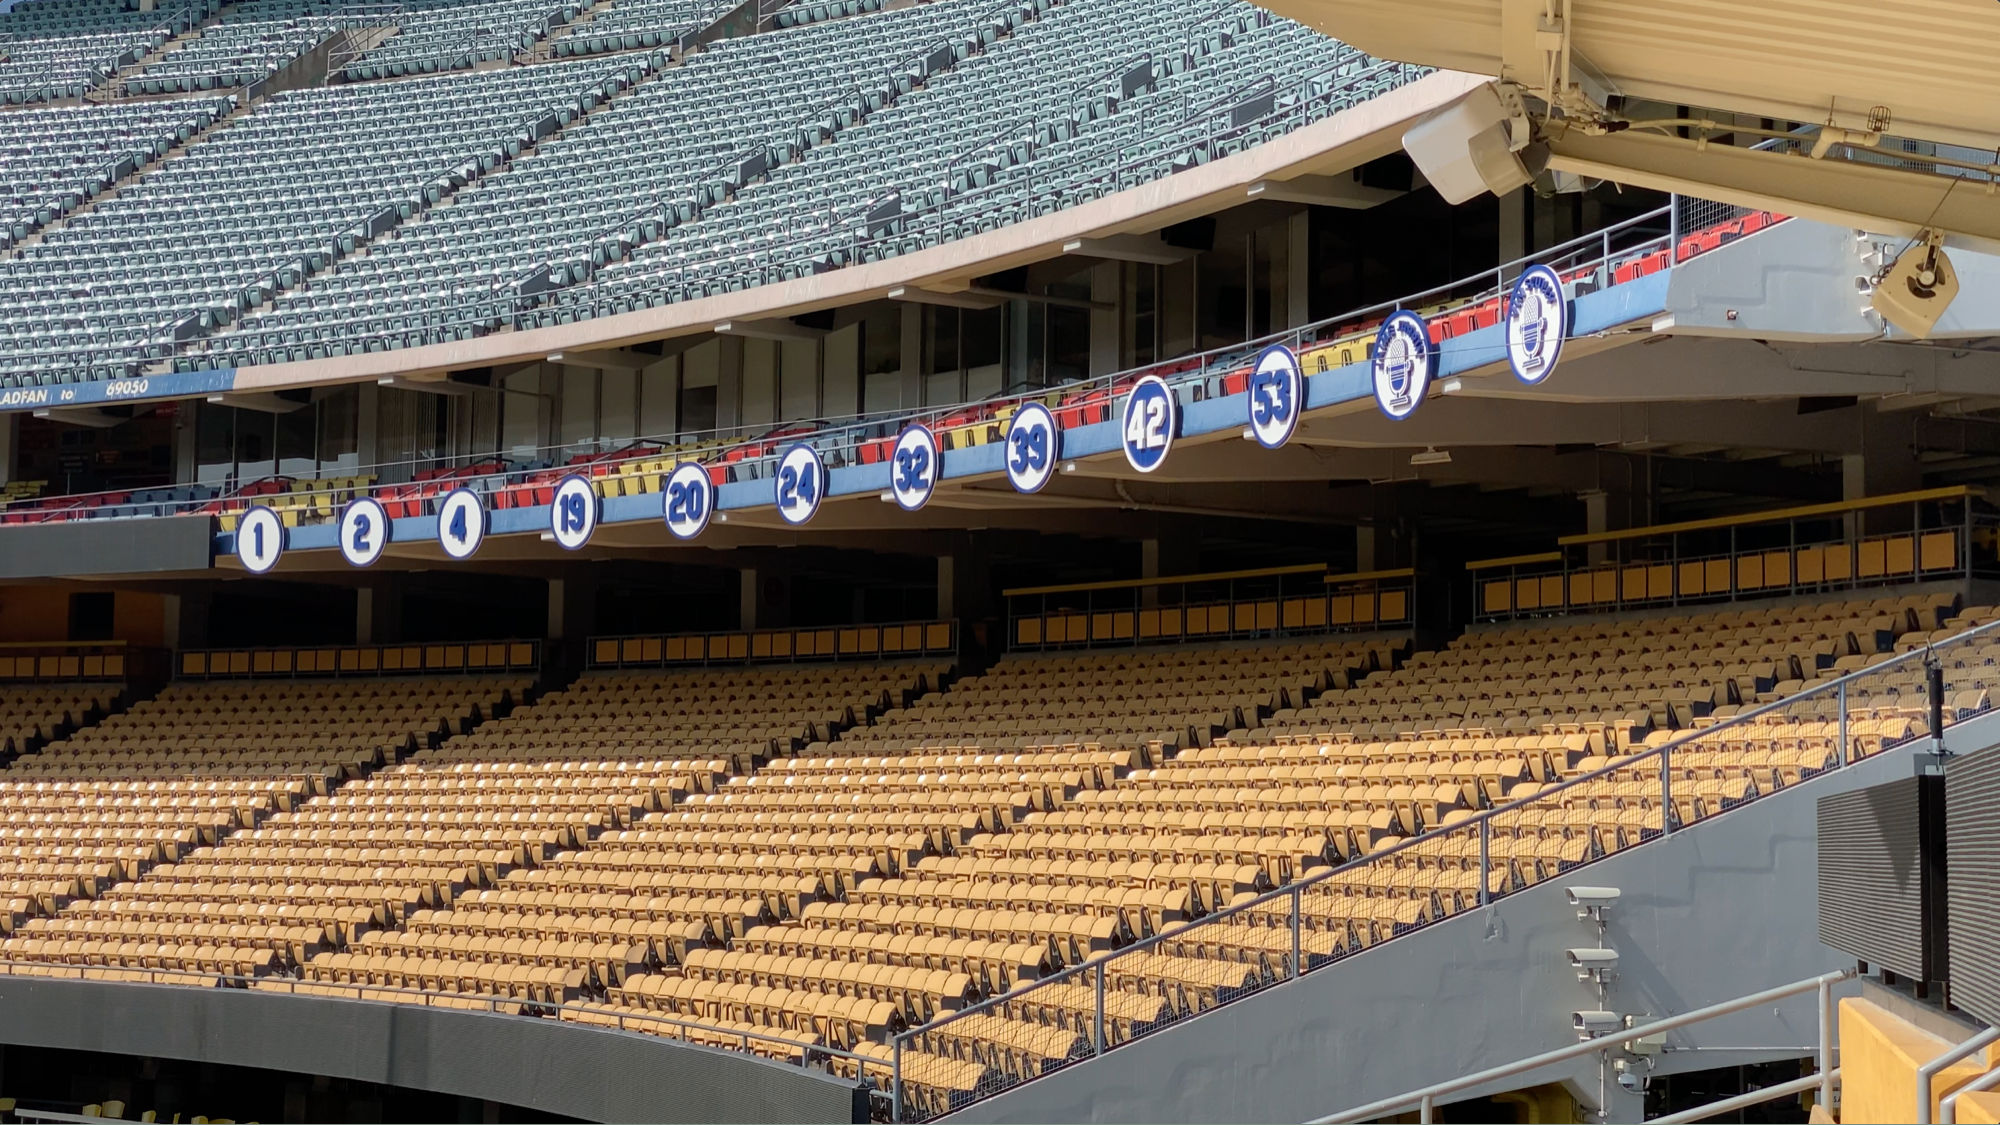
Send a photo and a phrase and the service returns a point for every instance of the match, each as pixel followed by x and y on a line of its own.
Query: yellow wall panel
pixel 1900 555
pixel 1879 1056
pixel 1938 550
pixel 1693 579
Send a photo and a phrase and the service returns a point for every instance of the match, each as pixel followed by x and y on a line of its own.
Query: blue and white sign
pixel 801 483
pixel 1033 445
pixel 690 500
pixel 364 531
pixel 1150 421
pixel 1537 323
pixel 260 539
pixel 573 516
pixel 913 467
pixel 1403 364
pixel 179 384
pixel 461 523
pixel 1277 396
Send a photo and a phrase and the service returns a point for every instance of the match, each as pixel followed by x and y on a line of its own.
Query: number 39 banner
pixel 1033 447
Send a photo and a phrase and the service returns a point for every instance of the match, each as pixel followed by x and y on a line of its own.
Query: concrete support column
pixel 1298 269
pixel 1163 558
pixel 1513 225
pixel 728 382
pixel 10 443
pixel 572 617
pixel 378 615
pixel 1104 350
pixel 1601 514
pixel 913 355
pixel 947 587
pixel 187 620
pixel 367 421
pixel 963 585
pixel 765 600
pixel 1367 548
pixel 1883 466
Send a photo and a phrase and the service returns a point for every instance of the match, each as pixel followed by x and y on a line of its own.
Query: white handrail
pixel 1948 1108
pixel 1754 1097
pixel 1929 1070
pixel 1426 1097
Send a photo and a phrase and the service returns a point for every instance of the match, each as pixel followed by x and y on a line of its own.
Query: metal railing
pixel 1931 1068
pixel 896 640
pixel 358 18
pixel 1425 1100
pixel 488 658
pixel 811 1054
pixel 841 441
pixel 1809 549
pixel 1452 867
pixel 1270 601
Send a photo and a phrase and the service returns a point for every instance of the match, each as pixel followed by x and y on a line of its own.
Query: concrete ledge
pixel 591 1073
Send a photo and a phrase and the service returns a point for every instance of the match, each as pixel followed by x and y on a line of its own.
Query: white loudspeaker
pixel 1915 291
pixel 1476 144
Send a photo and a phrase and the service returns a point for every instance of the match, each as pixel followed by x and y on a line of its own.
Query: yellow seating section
pixel 1620 676
pixel 132 846
pixel 1177 696
pixel 797 858
pixel 21 490
pixel 30 711
pixel 529 874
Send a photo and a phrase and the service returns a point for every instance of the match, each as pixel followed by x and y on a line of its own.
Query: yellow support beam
pixel 1838 507
pixel 1515 560
pixel 1369 576
pixel 1172 580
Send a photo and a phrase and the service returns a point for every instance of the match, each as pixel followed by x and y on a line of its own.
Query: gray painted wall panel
pixel 1871 878
pixel 80 547
pixel 1972 861
pixel 1720 909
pixel 1795 281
pixel 591 1073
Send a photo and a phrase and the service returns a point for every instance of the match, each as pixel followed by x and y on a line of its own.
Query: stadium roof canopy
pixel 1860 71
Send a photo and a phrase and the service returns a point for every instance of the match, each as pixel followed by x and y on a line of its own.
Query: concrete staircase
pixel 113 88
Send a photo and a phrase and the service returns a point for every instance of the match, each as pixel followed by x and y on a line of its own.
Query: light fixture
pixel 1431 456
pixel 1914 291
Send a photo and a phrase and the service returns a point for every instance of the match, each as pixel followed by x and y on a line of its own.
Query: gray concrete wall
pixel 128 546
pixel 590 1073
pixel 1720 909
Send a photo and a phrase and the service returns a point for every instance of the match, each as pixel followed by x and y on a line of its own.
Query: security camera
pixel 1633 1082
pixel 1590 1025
pixel 1591 903
pixel 1592 962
